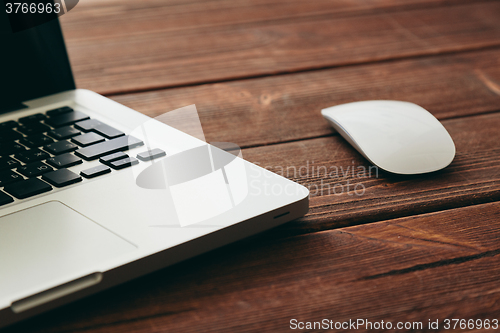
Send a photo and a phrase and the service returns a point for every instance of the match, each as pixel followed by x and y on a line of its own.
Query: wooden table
pixel 409 249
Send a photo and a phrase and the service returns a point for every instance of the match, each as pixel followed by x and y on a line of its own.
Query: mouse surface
pixel 399 137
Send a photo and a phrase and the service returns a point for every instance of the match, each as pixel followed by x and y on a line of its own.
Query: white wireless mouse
pixel 399 137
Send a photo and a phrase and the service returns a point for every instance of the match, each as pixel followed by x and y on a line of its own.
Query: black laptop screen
pixel 33 63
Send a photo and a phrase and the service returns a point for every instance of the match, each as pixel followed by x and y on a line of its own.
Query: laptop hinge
pixel 12 107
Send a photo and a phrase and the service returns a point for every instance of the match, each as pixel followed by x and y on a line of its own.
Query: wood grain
pixel 432 266
pixel 287 107
pixel 341 197
pixel 173 15
pixel 117 48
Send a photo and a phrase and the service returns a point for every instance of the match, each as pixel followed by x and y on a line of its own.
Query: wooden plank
pixel 433 266
pixel 124 48
pixel 172 15
pixel 341 197
pixel 287 107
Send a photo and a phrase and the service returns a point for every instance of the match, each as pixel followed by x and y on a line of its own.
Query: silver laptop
pixel 93 194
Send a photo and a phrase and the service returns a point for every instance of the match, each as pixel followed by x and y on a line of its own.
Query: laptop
pixel 93 194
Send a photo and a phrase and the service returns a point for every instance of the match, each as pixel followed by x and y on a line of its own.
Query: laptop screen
pixel 33 63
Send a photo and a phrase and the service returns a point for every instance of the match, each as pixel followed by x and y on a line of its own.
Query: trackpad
pixel 50 244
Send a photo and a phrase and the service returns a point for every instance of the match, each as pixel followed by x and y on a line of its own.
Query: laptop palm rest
pixel 49 245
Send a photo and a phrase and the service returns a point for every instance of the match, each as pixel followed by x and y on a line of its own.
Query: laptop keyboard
pixel 36 152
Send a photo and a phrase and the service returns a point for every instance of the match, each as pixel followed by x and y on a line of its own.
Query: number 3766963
pixel 471 324
pixel 32 8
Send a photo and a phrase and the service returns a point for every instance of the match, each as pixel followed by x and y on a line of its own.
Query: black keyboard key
pixel 99 127
pixel 113 157
pixel 108 147
pixel 123 163
pixel 5 199
pixel 33 118
pixel 8 176
pixel 9 135
pixel 87 139
pixel 27 188
pixel 34 169
pixel 108 131
pixel 68 118
pixel 151 154
pixel 9 148
pixel 60 147
pixel 33 128
pixel 36 140
pixel 64 133
pixel 8 125
pixel 95 171
pixel 32 155
pixel 8 163
pixel 61 177
pixel 64 161
pixel 88 125
pixel 59 111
